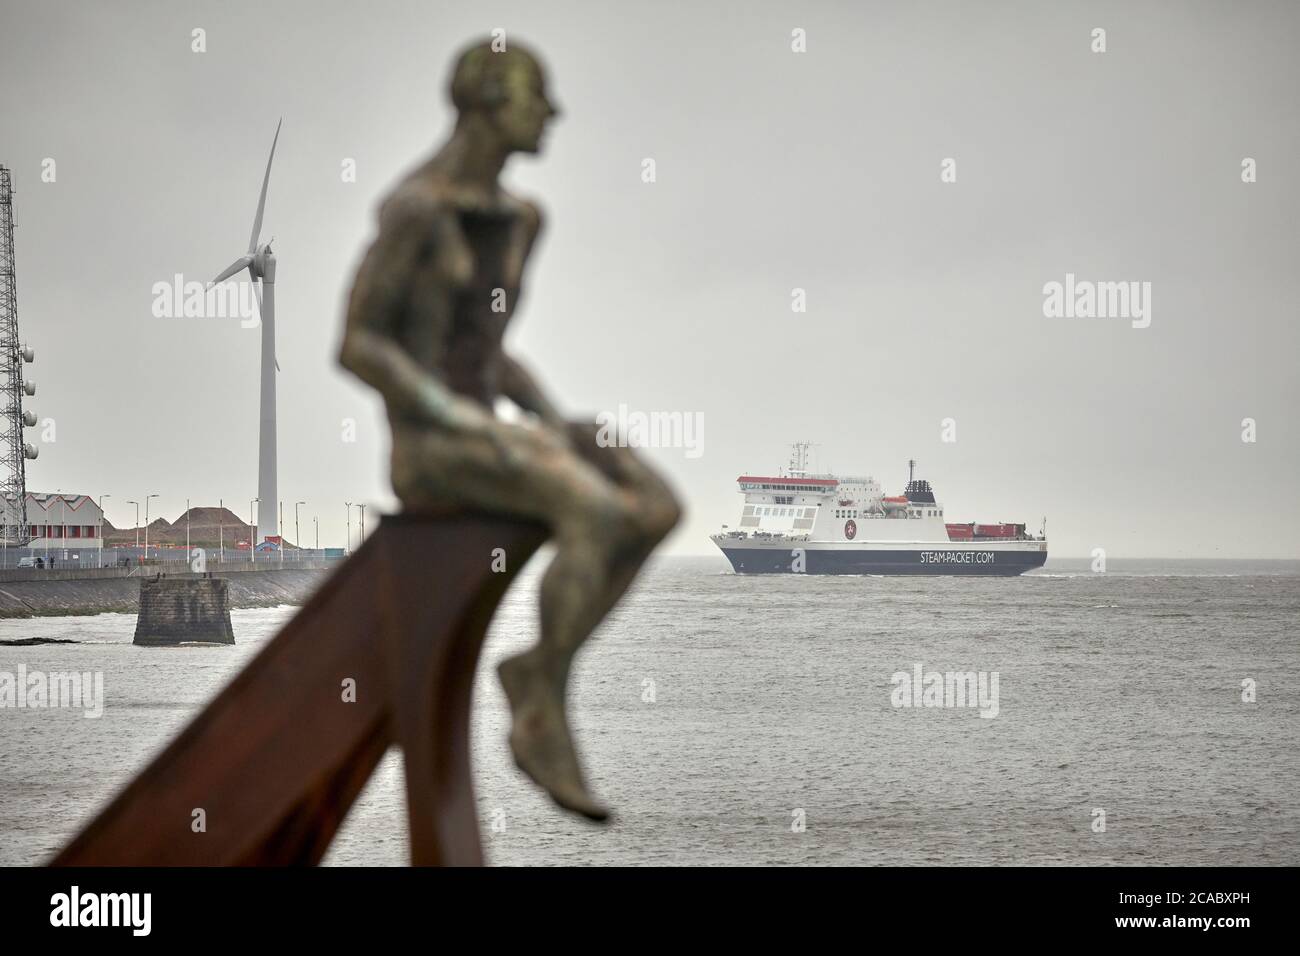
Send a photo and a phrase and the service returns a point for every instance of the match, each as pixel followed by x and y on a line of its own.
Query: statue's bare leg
pixel 607 512
pixel 600 547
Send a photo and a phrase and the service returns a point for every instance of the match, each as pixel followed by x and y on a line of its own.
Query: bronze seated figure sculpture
pixel 266 773
pixel 425 327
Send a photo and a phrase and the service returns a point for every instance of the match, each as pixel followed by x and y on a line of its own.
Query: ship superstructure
pixel 824 524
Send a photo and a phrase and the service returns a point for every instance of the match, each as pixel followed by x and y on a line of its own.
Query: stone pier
pixel 184 609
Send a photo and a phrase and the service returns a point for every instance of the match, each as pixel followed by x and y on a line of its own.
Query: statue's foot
pixel 539 737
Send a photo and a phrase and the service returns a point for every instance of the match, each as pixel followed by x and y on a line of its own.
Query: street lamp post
pixel 63 523
pixel 187 529
pixel 281 533
pixel 17 533
pixel 348 549
pixel 317 522
pixel 63 526
pixel 137 523
pixel 100 563
pixel 361 538
pixel 221 527
pixel 297 540
pixel 252 532
pixel 50 528
pixel 146 524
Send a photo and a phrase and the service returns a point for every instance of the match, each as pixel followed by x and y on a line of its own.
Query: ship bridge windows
pixel 812 488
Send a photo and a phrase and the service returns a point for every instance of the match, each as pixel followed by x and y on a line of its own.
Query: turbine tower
pixel 260 263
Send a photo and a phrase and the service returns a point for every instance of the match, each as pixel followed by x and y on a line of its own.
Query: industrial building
pixel 60 521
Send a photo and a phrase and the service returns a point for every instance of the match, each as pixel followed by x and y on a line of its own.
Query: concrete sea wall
pixel 58 593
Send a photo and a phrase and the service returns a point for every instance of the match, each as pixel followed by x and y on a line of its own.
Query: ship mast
pixel 799 458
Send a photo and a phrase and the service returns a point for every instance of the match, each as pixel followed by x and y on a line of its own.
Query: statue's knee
pixel 622 521
pixel 667 512
pixel 657 514
pixel 593 519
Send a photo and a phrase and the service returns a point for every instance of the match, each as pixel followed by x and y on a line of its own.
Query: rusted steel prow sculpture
pixel 276 760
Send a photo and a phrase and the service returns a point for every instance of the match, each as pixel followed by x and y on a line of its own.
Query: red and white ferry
pixel 821 524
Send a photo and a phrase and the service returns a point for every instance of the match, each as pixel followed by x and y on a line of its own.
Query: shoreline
pixel 120 594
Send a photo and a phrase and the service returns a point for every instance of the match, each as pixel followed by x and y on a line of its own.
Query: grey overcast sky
pixel 775 170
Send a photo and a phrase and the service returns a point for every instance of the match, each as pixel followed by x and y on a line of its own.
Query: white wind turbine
pixel 260 263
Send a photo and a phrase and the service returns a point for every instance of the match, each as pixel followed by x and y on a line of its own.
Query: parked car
pixel 28 562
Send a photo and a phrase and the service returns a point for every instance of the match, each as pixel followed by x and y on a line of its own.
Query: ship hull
pixel 933 560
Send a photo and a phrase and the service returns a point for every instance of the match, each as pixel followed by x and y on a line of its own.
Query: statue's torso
pixel 462 301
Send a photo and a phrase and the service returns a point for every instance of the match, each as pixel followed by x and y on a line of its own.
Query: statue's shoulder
pixel 419 202
pixel 529 212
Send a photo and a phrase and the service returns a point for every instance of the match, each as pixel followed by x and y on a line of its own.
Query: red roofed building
pixel 62 521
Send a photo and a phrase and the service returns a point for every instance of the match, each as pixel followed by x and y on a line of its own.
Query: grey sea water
pixel 715 711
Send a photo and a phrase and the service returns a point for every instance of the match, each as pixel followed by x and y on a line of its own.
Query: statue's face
pixel 522 116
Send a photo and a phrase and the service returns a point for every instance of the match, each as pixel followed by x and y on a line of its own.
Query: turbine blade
pixel 243 262
pixel 261 201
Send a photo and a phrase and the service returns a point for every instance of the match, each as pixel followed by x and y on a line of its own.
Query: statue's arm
pixel 517 382
pixel 518 385
pixel 383 284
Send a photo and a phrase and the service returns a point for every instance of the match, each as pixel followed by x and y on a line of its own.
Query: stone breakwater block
pixel 184 610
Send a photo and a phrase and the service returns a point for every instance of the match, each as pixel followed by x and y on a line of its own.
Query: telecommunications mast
pixel 14 452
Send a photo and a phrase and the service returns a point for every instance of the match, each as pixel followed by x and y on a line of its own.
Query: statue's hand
pixel 539 438
pixel 581 433
pixel 444 408
pixel 465 417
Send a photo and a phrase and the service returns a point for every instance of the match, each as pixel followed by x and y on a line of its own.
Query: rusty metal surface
pixel 278 757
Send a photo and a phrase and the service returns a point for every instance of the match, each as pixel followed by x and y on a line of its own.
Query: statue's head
pixel 507 89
